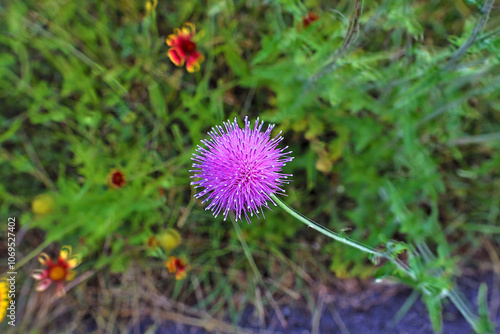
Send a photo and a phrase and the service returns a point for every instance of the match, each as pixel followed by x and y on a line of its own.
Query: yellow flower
pixel 4 298
pixel 43 204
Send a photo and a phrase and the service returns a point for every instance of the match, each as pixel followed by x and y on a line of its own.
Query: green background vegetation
pixel 391 110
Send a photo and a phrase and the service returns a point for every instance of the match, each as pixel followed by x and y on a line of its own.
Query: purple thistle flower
pixel 240 168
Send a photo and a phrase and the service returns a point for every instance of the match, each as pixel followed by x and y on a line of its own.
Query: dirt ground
pixel 369 310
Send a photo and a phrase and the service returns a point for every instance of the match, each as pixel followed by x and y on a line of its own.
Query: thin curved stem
pixel 326 231
pixel 343 239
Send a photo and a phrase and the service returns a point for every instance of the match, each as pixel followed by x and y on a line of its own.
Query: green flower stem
pixel 325 231
pixel 343 239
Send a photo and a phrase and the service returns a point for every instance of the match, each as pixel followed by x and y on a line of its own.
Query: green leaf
pixel 435 308
pixel 484 324
pixel 234 60
pixel 11 130
pixel 157 100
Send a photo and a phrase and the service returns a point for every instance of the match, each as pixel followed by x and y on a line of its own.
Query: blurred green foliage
pixel 393 123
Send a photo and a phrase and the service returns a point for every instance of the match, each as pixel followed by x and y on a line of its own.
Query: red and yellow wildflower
pixel 58 271
pixel 178 266
pixel 183 50
pixel 116 178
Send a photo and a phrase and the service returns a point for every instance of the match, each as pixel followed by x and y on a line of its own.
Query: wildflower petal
pixel 188 28
pixel 70 275
pixel 44 259
pixel 181 274
pixel 73 262
pixel 3 288
pixel 175 57
pixel 65 253
pixel 172 40
pixel 43 285
pixel 193 62
pixel 39 274
pixel 193 67
pixel 171 264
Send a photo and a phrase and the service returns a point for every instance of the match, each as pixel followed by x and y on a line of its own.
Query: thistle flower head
pixel 239 169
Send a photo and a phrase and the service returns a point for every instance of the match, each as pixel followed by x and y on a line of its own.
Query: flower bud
pixel 43 204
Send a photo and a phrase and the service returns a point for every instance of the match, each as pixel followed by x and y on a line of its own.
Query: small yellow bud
pixel 169 239
pixel 43 204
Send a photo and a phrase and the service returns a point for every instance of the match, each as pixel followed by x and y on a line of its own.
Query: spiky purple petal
pixel 238 169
